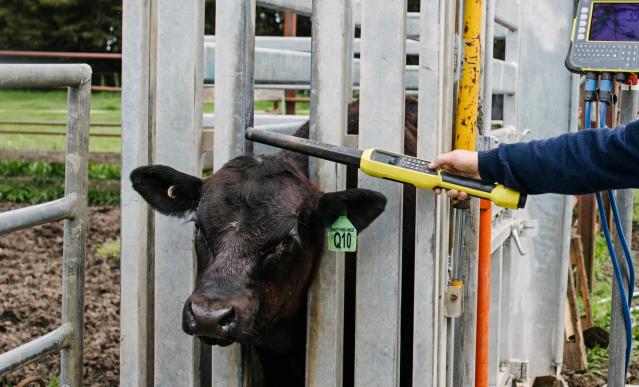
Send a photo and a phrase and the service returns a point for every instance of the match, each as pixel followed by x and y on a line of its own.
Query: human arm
pixel 574 163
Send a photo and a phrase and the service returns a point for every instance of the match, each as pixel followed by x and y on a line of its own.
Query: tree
pixel 61 25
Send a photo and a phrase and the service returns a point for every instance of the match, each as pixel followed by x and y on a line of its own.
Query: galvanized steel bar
pixel 136 261
pixel 507 13
pixel 36 349
pixel 235 47
pixel 496 290
pixel 74 205
pixel 617 349
pixel 431 239
pixel 507 72
pixel 43 75
pixel 31 216
pixel 331 91
pixel 487 76
pixel 234 67
pixel 503 79
pixel 178 123
pixel 304 7
pixel 286 68
pixel 76 181
pixel 565 265
pixel 303 43
pixel 261 120
pixel 378 286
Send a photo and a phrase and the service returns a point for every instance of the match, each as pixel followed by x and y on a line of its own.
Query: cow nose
pixel 211 321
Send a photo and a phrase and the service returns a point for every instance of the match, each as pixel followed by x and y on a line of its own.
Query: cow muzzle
pixel 212 321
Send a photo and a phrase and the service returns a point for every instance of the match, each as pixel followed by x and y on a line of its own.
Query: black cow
pixel 260 231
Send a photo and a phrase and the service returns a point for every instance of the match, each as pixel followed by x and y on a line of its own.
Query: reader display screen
pixel 614 22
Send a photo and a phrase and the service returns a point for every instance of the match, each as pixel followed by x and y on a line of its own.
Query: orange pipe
pixel 483 295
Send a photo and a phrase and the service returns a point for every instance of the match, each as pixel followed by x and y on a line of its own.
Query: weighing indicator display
pixel 605 37
pixel 614 22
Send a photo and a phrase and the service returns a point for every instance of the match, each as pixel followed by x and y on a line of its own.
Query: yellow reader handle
pixel 497 193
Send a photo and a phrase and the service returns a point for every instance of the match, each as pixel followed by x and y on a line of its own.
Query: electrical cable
pixel 626 298
pixel 626 249
pixel 615 266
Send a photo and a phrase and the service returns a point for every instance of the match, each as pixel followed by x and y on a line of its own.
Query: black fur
pixel 153 182
pixel 361 206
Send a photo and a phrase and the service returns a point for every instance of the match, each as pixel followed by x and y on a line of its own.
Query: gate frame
pixel 68 338
pixel 441 60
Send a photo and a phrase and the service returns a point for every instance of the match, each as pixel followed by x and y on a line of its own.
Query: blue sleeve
pixel 588 161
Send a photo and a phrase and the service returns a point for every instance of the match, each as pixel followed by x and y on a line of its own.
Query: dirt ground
pixel 30 302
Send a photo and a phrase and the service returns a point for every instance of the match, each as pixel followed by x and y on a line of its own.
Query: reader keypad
pixel 415 164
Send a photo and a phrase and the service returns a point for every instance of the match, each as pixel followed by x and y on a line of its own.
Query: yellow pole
pixel 466 138
pixel 468 96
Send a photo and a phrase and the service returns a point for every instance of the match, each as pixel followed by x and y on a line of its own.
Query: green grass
pixel 600 304
pixel 51 105
pixel 110 249
pixel 601 307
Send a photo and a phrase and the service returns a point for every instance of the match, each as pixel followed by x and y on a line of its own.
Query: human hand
pixel 459 162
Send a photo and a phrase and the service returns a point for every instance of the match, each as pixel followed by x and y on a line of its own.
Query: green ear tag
pixel 342 236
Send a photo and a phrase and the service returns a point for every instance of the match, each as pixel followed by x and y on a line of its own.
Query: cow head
pixel 260 230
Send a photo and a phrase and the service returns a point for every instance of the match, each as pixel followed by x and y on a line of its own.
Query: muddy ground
pixel 30 296
pixel 30 299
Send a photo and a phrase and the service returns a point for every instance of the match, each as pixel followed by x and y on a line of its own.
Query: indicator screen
pixel 386 158
pixel 614 22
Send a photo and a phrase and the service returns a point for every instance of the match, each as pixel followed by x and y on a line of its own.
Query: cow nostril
pixel 227 318
pixel 188 319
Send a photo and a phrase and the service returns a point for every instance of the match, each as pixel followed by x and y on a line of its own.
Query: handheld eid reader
pixel 391 166
pixel 605 37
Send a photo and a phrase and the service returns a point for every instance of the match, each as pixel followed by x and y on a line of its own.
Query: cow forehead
pixel 254 185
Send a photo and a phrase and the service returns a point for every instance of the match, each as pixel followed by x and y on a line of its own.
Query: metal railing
pixel 68 338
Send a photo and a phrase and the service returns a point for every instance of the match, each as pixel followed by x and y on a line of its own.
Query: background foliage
pixel 61 25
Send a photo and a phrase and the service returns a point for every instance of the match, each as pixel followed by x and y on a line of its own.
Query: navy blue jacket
pixel 588 161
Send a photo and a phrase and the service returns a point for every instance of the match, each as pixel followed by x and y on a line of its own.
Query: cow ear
pixel 361 206
pixel 167 190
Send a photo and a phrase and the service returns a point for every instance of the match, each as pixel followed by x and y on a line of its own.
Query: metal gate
pixel 530 248
pixel 162 122
pixel 68 338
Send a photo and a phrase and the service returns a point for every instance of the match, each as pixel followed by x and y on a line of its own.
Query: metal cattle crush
pixel 68 338
pixel 164 68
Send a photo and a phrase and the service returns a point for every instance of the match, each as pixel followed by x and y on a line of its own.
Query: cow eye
pixel 269 252
pixel 287 243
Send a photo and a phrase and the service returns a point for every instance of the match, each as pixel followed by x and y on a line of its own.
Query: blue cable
pixel 606 85
pixel 626 249
pixel 615 266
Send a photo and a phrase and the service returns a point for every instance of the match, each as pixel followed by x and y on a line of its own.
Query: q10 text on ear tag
pixel 342 236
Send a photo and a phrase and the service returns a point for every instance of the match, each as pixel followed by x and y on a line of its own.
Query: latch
pixel 453 302
pixel 527 228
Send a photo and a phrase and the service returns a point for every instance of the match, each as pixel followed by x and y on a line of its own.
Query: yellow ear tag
pixel 342 236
